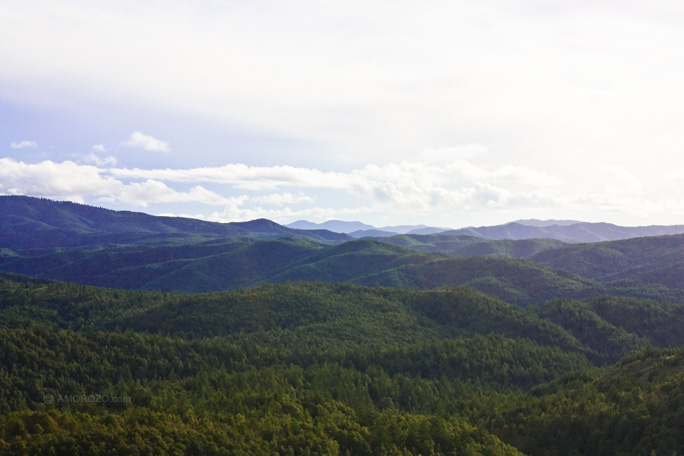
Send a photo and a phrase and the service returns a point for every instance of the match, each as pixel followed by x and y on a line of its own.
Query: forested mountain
pixel 27 223
pixel 469 246
pixel 327 345
pixel 657 260
pixel 350 313
pixel 207 266
pixel 333 369
pixel 238 262
pixel 171 254
pixel 654 260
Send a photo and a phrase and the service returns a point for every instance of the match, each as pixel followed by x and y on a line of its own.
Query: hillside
pixel 655 260
pixel 241 262
pixel 603 329
pixel 658 260
pixel 87 245
pixel 470 246
pixel 630 409
pixel 27 223
pixel 333 369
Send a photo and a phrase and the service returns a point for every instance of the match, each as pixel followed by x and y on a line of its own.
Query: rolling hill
pixel 171 254
pixel 235 263
pixel 470 246
pixel 333 369
pixel 657 260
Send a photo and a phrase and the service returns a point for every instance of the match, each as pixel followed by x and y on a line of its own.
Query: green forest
pixel 127 334
pixel 334 369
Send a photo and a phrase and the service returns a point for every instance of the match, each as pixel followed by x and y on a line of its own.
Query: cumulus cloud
pixel 151 191
pixel 24 144
pixel 420 185
pixel 77 181
pixel 99 161
pixel 99 148
pixel 146 142
pixel 66 179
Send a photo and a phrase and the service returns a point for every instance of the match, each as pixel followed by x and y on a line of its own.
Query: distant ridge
pixel 336 226
pixel 89 245
pixel 428 230
pixel 657 260
pixel 413 229
pixel 371 233
pixel 28 222
pixel 360 229
pixel 543 223
pixel 574 233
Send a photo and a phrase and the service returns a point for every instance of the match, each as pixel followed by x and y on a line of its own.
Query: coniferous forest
pixel 441 355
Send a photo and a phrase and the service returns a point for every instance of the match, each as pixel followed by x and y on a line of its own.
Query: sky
pixel 444 113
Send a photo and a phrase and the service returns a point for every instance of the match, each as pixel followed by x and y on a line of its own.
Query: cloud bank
pixel 431 184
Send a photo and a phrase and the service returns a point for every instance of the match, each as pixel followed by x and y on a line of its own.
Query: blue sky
pixel 390 112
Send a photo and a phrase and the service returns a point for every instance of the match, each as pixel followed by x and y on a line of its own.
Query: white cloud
pixel 407 190
pixel 243 176
pixel 151 191
pixel 408 185
pixel 24 144
pixel 77 182
pixel 66 179
pixel 280 199
pixel 394 187
pixel 235 213
pixel 99 148
pixel 99 161
pixel 146 142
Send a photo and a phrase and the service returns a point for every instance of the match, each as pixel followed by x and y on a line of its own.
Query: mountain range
pixel 313 342
pixel 27 223
pixel 570 231
pixel 359 229
pixel 77 243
